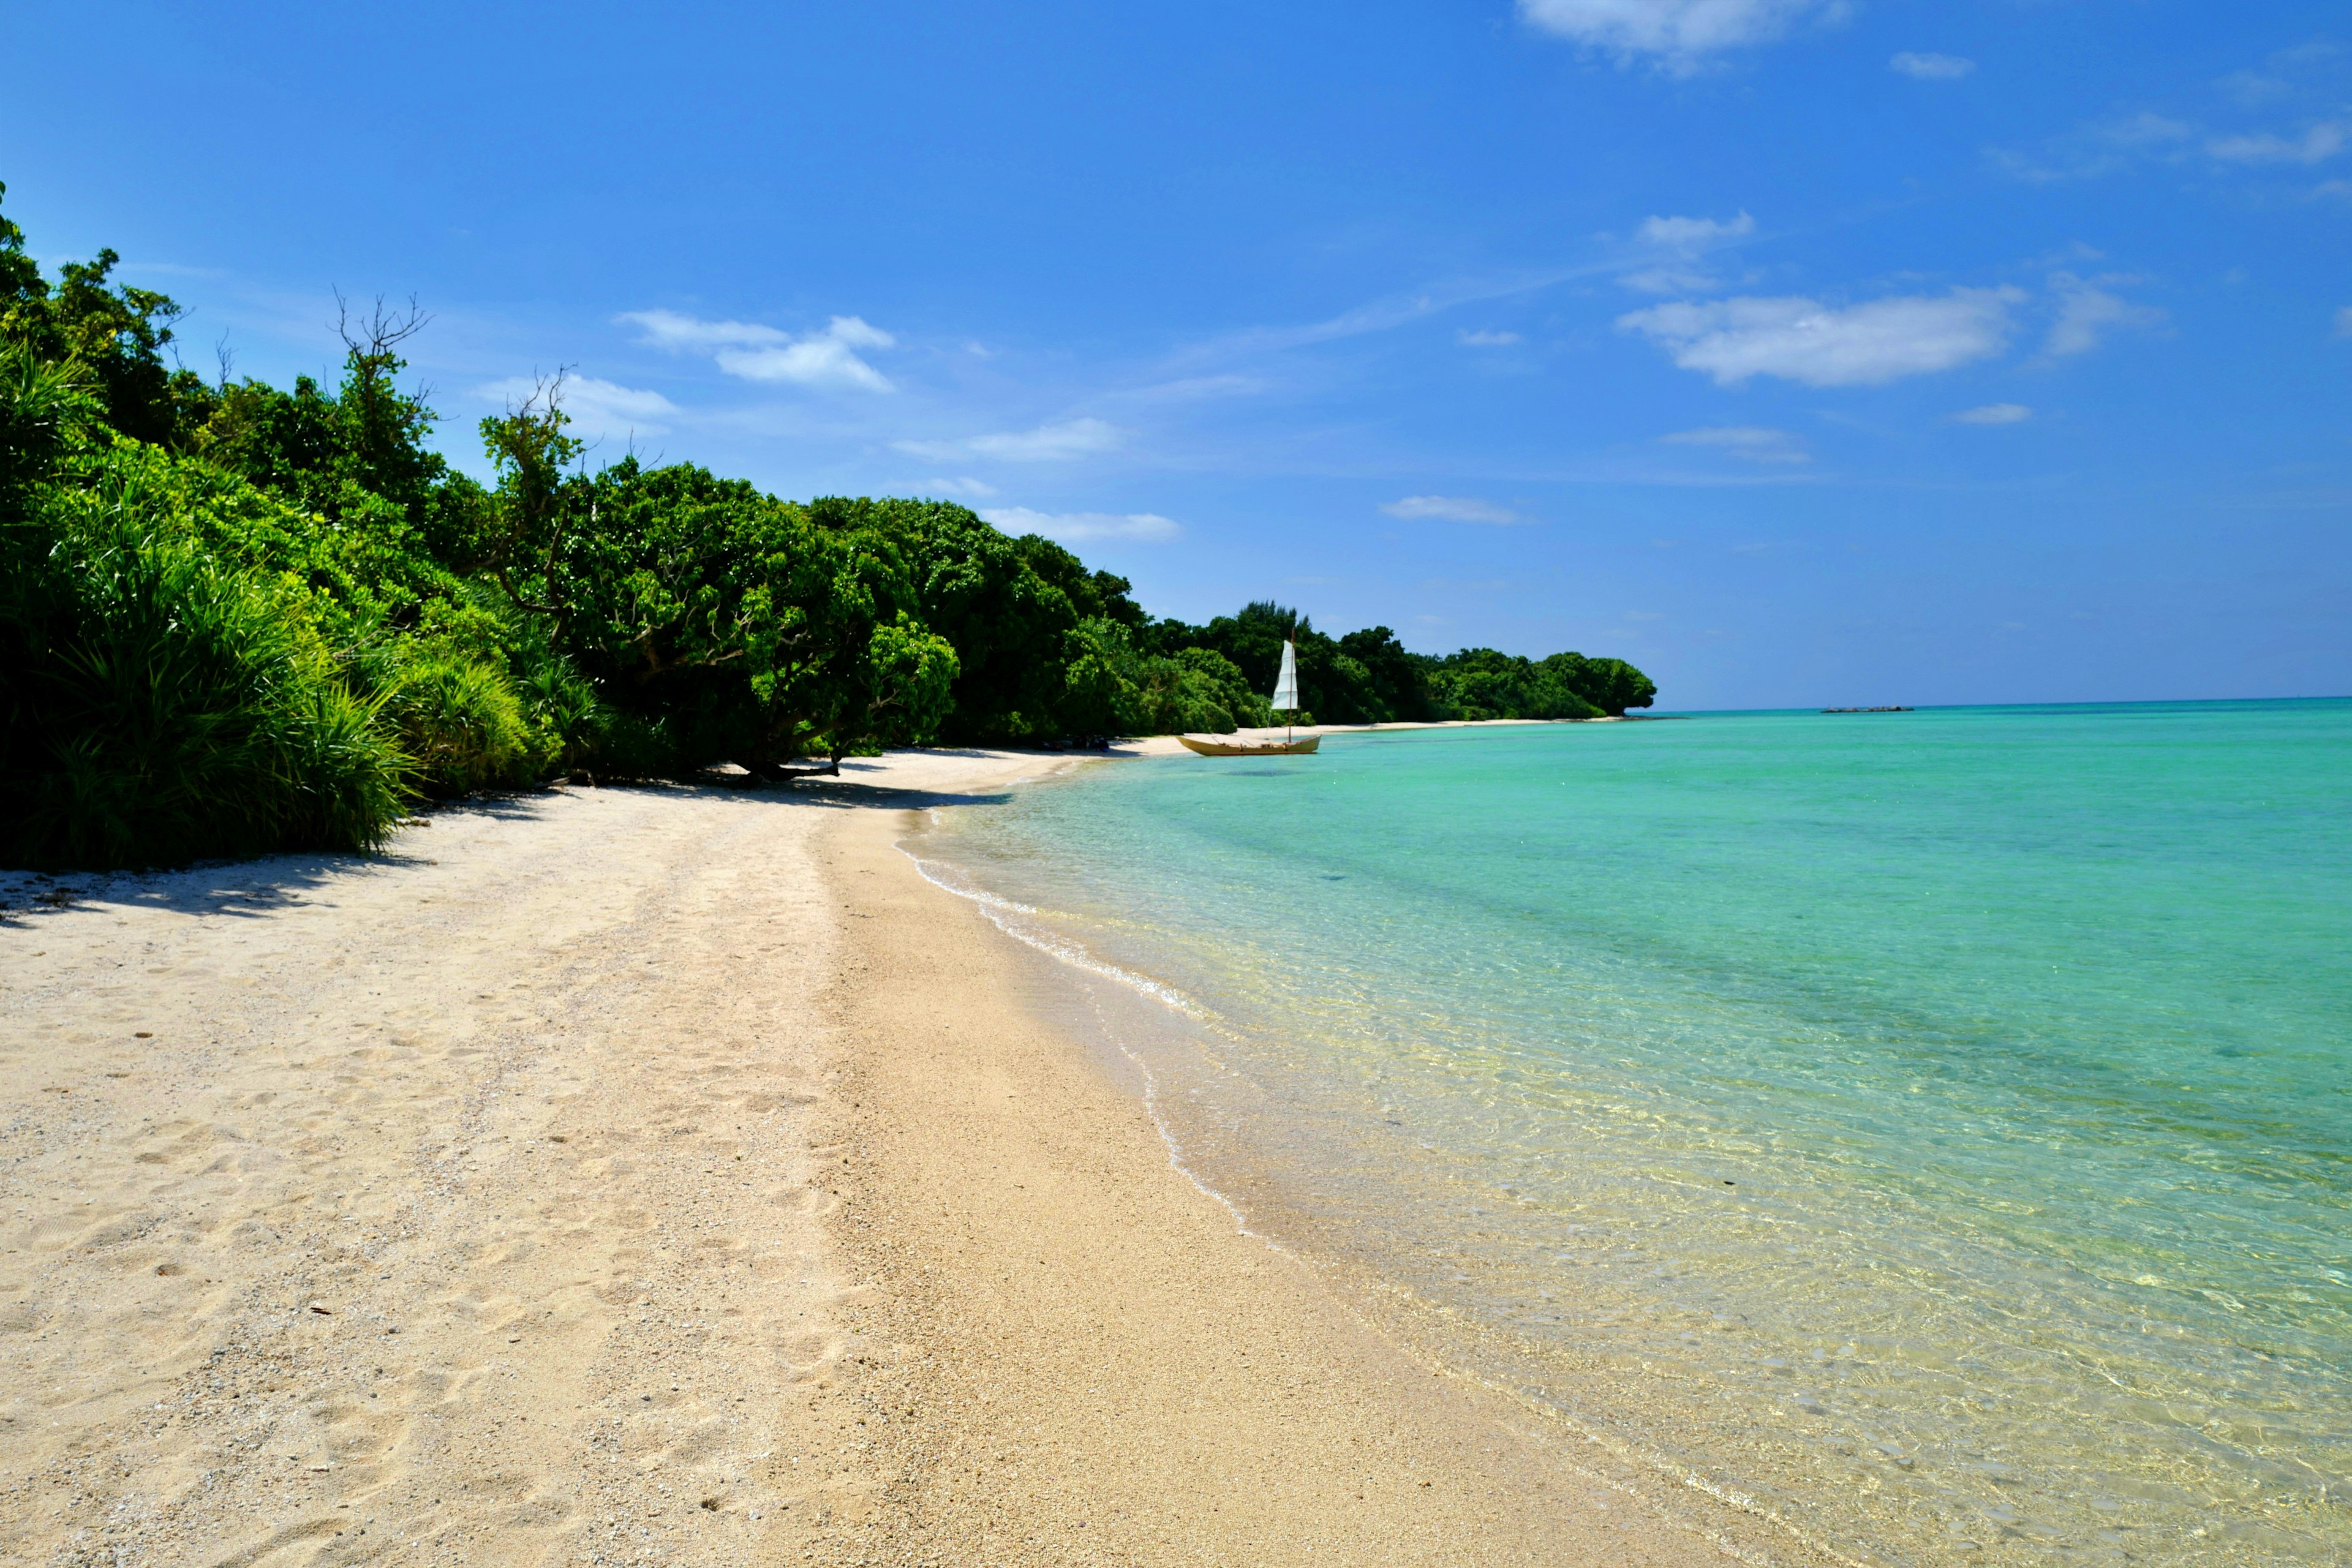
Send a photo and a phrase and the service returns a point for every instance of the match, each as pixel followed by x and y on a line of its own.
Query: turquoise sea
pixel 1931 1131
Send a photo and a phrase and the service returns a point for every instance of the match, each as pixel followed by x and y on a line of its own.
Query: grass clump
pixel 161 706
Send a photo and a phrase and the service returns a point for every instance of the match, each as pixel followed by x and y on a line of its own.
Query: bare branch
pixel 382 329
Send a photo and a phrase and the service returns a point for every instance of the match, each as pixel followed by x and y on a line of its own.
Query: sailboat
pixel 1286 698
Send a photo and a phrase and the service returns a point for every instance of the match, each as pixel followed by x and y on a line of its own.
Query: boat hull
pixel 1301 747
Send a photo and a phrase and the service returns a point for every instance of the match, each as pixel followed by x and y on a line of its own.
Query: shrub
pixel 162 709
pixel 461 725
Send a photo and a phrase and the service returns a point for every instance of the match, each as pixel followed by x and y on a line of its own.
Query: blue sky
pixel 1800 352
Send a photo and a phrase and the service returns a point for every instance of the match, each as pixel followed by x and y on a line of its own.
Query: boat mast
pixel 1285 688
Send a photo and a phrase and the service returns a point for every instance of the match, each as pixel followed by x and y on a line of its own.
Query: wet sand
pixel 665 1175
pixel 1076 1355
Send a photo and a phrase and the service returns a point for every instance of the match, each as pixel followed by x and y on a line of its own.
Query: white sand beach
pixel 663 1175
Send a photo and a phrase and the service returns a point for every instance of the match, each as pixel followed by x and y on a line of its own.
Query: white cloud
pixel 2146 130
pixel 963 485
pixel 1684 240
pixel 1931 68
pixel 1670 278
pixel 2100 149
pixel 825 358
pixel 2316 145
pixel 1046 443
pixel 668 329
pixel 1755 443
pixel 1695 233
pixel 1486 340
pixel 2286 68
pixel 1677 33
pixel 599 409
pixel 2252 88
pixel 1077 527
pixel 2344 323
pixel 1453 509
pixel 1994 414
pixel 1821 345
pixel 2111 145
pixel 2086 312
pixel 745 349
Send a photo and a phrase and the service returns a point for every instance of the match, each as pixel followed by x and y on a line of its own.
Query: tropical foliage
pixel 1369 677
pixel 235 618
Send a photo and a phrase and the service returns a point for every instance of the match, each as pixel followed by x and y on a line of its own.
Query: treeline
pixel 1370 678
pixel 237 619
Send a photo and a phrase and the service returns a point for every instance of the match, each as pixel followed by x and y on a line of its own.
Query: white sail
pixel 1286 685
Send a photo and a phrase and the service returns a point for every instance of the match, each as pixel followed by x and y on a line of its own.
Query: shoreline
pixel 676 1173
pixel 1170 746
pixel 1084 1355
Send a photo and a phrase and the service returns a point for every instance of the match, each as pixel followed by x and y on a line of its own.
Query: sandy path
pixel 527 1108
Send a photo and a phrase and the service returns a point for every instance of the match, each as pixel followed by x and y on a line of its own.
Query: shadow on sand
pixel 254 889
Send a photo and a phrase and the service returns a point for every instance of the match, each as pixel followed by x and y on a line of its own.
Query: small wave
pixel 1077 957
pixel 1069 953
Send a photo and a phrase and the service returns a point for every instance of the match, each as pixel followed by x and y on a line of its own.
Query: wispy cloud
pixel 962 485
pixel 1676 34
pixel 601 410
pixel 1384 314
pixel 2286 74
pixel 670 330
pixel 2088 311
pixel 1931 68
pixel 1198 389
pixel 2344 323
pixel 1691 233
pixel 1670 278
pixel 2253 88
pixel 1994 414
pixel 1672 250
pixel 1078 527
pixel 1482 339
pixel 1450 509
pixel 825 358
pixel 2315 144
pixel 1755 443
pixel 829 357
pixel 1822 346
pixel 2100 148
pixel 1048 443
pixel 2107 146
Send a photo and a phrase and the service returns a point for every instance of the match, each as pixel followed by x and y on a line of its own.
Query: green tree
pixel 116 334
pixel 1609 685
pixel 744 626
pixel 1008 606
pixel 1480 683
pixel 1395 685
pixel 359 459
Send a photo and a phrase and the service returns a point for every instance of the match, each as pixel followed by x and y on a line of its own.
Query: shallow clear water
pixel 1931 1129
